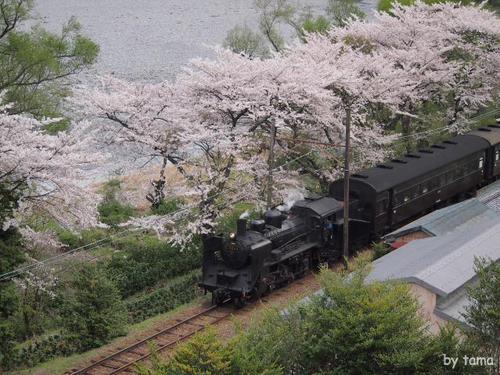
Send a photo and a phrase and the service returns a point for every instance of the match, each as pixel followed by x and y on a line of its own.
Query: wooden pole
pixel 345 251
pixel 270 165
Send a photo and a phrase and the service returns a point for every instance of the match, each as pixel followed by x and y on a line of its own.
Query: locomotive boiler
pixel 264 254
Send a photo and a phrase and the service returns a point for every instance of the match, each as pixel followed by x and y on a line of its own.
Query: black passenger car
pixel 491 134
pixel 389 194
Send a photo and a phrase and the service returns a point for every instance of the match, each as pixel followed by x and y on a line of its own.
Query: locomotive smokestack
pixel 241 227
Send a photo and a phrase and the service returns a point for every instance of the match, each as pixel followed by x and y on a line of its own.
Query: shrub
pixel 94 314
pixel 380 249
pixel 483 314
pixel 179 292
pixel 145 260
pixel 203 355
pixel 227 223
pixel 167 206
pixel 11 255
pixel 44 349
pixel 111 211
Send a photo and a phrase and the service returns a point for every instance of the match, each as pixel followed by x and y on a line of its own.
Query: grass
pixel 63 364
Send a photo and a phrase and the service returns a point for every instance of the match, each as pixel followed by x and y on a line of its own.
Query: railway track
pixel 124 360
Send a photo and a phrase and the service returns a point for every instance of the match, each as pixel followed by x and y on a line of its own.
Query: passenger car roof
pixel 322 207
pixel 396 172
pixel 490 133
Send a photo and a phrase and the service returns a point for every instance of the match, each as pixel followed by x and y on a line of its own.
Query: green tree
pixel 387 5
pixel 451 342
pixel 11 255
pixel 241 39
pixel 95 313
pixel 34 64
pixel 483 314
pixel 273 14
pixel 203 355
pixel 111 210
pixel 351 328
pixel 340 11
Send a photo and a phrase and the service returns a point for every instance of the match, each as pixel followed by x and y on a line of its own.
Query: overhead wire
pixel 95 244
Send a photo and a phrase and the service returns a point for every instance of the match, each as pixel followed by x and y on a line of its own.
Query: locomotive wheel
pixel 218 298
pixel 238 302
pixel 261 288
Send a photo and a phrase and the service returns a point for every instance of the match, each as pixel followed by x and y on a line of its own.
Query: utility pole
pixel 347 154
pixel 270 165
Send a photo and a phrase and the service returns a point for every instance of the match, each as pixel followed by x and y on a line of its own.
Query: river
pixel 150 40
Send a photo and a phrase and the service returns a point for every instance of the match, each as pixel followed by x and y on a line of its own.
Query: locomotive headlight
pixel 232 236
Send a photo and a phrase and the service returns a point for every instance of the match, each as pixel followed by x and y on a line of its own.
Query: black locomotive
pixel 274 251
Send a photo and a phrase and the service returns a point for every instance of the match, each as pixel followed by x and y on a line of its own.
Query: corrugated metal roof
pixel 482 210
pixel 442 264
pixel 457 217
pixel 490 195
pixel 453 307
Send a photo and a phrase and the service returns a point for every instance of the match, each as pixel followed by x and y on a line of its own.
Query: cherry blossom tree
pixel 450 54
pixel 43 172
pixel 232 117
pixel 145 119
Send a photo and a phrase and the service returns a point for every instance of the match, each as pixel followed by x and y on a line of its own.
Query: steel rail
pixel 163 332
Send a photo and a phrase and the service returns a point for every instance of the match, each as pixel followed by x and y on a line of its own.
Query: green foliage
pixel 114 213
pixel 316 24
pixel 34 63
pixel 11 255
pixel 203 355
pixel 450 342
pixel 44 349
pixel 94 314
pixel 111 211
pixel 241 39
pixel 353 328
pixel 180 291
pixel 387 5
pixel 167 206
pixel 252 354
pixel 70 238
pixel 483 314
pixel 356 328
pixel 227 223
pixel 145 260
pixel 340 11
pixel 58 126
pixel 380 249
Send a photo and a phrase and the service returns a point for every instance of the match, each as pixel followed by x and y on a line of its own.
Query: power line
pixel 396 138
pixel 90 246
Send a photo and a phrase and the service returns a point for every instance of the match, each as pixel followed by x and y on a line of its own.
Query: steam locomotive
pixel 265 254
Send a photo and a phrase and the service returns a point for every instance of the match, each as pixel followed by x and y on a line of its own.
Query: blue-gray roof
pixel 441 264
pixel 482 211
pixel 458 217
pixel 490 195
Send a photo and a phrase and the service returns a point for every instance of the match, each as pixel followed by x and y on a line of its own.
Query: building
pixel 435 254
